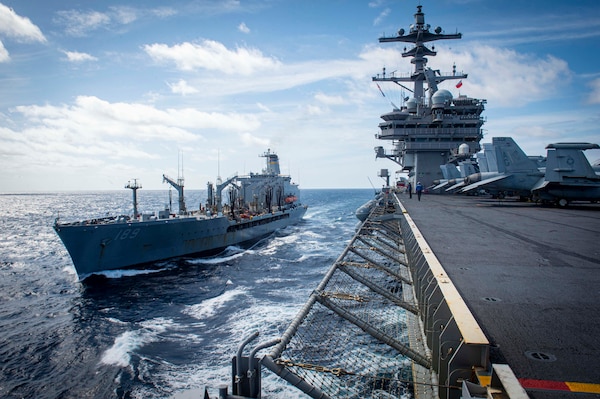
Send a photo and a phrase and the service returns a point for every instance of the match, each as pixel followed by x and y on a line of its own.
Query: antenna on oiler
pixel 180 178
pixel 134 187
pixel 219 181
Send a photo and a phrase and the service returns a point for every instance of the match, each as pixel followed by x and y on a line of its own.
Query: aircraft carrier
pixel 531 277
pixel 448 297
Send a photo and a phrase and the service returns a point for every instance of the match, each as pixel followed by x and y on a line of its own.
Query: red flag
pixel 459 84
pixel 380 89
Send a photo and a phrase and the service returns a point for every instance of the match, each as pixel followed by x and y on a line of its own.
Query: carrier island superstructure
pixel 430 127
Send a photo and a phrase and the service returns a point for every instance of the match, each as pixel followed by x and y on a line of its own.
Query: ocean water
pixel 157 332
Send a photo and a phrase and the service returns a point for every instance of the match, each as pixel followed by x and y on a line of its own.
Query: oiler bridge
pixel 386 321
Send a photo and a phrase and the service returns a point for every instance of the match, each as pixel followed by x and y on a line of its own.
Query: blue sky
pixel 95 93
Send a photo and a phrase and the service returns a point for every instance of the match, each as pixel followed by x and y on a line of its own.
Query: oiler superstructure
pixel 432 123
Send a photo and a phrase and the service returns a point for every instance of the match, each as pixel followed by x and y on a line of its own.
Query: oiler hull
pixel 118 245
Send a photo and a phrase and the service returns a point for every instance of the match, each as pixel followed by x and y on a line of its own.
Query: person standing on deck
pixel 419 190
pixel 409 189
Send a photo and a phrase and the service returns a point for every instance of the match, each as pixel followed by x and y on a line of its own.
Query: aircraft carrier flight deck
pixel 531 277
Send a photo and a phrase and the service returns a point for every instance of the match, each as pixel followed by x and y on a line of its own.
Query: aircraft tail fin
pixel 510 157
pixel 567 160
pixel 453 172
pixel 466 168
pixel 482 161
pixel 490 156
pixel 450 171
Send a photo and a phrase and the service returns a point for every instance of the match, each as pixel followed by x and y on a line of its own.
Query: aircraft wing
pixel 540 185
pixel 484 182
pixel 441 185
pixel 457 185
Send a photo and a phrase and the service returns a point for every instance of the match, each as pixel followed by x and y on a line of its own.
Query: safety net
pixel 358 336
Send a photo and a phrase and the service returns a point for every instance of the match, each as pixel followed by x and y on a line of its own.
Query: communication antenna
pixel 180 165
pixel 219 180
pixel 180 178
pixel 374 189
pixel 134 187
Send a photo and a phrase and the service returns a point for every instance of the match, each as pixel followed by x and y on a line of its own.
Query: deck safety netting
pixel 351 339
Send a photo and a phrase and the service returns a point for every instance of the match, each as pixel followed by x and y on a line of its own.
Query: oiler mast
pixel 178 185
pixel 134 187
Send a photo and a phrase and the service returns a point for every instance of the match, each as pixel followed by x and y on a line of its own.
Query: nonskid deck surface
pixel 531 276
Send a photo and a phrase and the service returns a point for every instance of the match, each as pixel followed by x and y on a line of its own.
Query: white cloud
pixel 511 30
pixel 509 78
pixel 4 56
pixel 15 26
pixel 79 23
pixel 182 87
pixel 330 100
pixel 75 56
pixel 313 110
pixel 381 16
pixel 278 80
pixel 124 15
pixel 268 74
pixel 379 57
pixel 92 120
pixel 534 131
pixel 263 107
pixel 503 77
pixel 249 139
pixel 594 96
pixel 376 3
pixel 163 12
pixel 91 136
pixel 212 55
pixel 243 28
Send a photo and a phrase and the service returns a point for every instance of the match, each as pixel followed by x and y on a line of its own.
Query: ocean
pixel 159 332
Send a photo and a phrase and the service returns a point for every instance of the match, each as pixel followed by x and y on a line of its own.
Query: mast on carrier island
pixel 427 132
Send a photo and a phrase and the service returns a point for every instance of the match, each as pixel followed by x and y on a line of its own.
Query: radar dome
pixel 440 98
pixel 411 105
pixel 463 149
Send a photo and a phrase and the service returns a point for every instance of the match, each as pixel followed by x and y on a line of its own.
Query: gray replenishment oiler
pixel 260 203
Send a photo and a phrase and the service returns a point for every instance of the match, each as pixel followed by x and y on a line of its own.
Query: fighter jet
pixel 467 168
pixel 450 173
pixel 487 159
pixel 569 175
pixel 516 173
pixel 485 162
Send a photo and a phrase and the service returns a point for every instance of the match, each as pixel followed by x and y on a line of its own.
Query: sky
pixel 96 93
